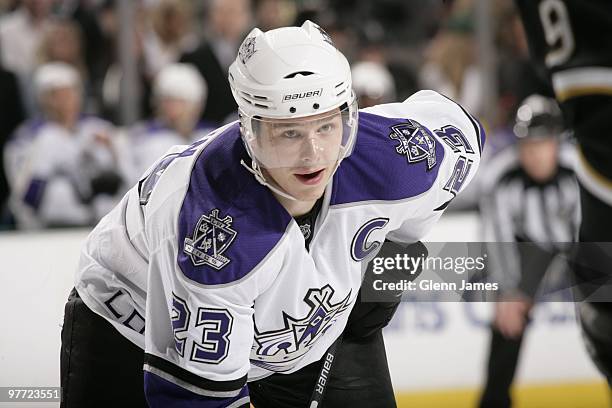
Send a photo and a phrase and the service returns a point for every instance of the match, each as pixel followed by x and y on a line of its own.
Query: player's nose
pixel 311 149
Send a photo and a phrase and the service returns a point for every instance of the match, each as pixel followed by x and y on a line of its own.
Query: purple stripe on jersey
pixel 35 192
pixel 477 126
pixel 34 125
pixel 228 222
pixel 388 162
pixel 165 394
pixel 154 126
pixel 483 135
pixel 27 131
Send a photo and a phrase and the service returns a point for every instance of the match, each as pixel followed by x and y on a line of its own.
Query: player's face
pixel 179 114
pixel 539 158
pixel 301 154
pixel 63 105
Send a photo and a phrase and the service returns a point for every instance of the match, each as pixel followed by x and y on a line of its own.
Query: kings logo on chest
pixel 278 350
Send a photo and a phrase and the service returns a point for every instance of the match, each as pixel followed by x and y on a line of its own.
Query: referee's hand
pixel 511 317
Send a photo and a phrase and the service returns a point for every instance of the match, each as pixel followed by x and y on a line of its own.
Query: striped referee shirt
pixel 515 208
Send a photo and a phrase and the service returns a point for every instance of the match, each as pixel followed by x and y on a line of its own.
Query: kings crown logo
pixel 211 237
pixel 247 49
pixel 278 350
pixel 415 142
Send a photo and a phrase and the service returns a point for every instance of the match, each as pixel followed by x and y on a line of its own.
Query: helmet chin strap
pixel 255 170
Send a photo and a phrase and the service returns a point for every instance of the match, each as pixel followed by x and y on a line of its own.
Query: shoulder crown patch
pixel 212 236
pixel 415 142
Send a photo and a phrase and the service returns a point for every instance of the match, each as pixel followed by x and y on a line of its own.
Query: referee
pixel 531 205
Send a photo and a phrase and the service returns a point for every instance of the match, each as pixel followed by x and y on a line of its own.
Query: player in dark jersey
pixel 569 40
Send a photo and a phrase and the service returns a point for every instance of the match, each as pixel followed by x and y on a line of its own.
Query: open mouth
pixel 310 178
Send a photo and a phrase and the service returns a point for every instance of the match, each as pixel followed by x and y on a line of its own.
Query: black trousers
pixel 591 264
pixel 359 378
pixel 591 116
pixel 101 368
pixel 503 358
pixel 98 366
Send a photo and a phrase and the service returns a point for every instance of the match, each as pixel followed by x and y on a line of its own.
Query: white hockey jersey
pixel 203 268
pixel 49 169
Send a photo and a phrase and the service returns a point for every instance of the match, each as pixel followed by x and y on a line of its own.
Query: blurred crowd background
pixel 93 91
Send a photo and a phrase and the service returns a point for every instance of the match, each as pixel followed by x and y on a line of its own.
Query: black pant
pixel 591 116
pixel 503 357
pixel 593 274
pixel 359 378
pixel 99 367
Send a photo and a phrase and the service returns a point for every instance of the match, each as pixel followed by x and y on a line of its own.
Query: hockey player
pixel 179 95
pixel 373 83
pixel 565 41
pixel 238 259
pixel 62 169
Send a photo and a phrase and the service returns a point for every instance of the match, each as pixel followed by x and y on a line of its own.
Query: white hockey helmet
pixel 180 81
pixel 55 75
pixel 291 73
pixel 373 80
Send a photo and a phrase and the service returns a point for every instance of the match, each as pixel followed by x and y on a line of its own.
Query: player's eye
pixel 326 128
pixel 291 134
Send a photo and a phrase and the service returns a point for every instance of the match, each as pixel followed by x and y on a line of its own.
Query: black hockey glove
pixel 368 317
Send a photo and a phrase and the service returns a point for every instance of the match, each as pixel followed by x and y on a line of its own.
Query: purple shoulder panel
pixel 228 222
pixel 393 159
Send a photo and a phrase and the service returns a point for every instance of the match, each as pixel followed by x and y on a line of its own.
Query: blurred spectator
pixel 451 65
pixel 516 75
pixel 8 5
pixel 12 115
pixel 531 212
pixel 21 35
pixel 396 22
pixel 179 94
pixel 98 51
pixel 62 170
pixel 372 83
pixel 168 34
pixel 228 22
pixel 63 43
pixel 271 14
